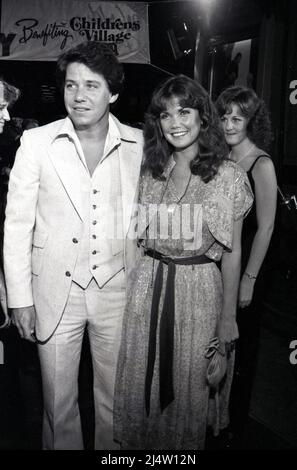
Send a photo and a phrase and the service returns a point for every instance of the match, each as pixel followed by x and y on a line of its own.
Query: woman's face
pixel 4 114
pixel 234 126
pixel 180 126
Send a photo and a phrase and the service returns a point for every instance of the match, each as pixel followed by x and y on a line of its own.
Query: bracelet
pixel 250 276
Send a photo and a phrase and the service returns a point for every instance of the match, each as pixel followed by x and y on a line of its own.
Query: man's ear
pixel 113 98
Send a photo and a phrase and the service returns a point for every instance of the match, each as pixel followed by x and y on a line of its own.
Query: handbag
pixel 217 365
pixel 287 210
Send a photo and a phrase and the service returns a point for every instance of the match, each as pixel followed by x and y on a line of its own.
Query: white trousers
pixel 101 311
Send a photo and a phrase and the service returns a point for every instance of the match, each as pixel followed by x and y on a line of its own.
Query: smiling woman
pixel 189 97
pixel 181 126
pixel 178 299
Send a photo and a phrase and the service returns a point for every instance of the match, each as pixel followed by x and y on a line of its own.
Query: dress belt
pixel 166 335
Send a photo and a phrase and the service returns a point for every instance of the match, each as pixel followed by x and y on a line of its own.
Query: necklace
pixel 170 210
pixel 172 207
pixel 245 155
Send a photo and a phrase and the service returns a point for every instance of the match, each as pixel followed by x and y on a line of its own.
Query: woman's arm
pixel 230 269
pixel 265 199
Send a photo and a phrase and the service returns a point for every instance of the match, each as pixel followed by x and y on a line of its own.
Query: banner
pixel 43 29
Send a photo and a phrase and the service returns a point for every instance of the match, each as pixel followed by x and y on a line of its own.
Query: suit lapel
pixel 65 161
pixel 130 156
pixel 130 161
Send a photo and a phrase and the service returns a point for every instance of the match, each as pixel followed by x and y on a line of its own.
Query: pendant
pixel 171 208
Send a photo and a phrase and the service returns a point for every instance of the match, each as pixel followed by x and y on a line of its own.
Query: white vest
pixel 101 252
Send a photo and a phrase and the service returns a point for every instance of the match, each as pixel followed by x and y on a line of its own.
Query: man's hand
pixel 3 299
pixel 24 319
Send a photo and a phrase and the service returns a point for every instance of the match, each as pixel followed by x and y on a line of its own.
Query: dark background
pixel 272 26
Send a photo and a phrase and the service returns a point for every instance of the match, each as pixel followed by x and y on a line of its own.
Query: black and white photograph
pixel 148 228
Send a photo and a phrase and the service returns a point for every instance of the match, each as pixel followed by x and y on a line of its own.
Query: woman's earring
pixel 204 125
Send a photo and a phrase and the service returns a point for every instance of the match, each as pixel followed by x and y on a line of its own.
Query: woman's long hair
pixel 212 149
pixel 252 108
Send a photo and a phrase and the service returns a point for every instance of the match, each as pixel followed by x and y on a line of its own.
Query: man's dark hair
pixel 99 57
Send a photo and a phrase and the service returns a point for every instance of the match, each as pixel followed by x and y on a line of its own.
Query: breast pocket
pixel 38 244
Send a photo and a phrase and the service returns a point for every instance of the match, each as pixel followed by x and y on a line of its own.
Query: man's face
pixel 87 97
pixel 4 114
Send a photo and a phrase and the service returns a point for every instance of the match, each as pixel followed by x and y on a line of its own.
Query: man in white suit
pixel 66 247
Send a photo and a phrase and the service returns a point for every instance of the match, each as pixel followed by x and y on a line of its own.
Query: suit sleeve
pixel 19 224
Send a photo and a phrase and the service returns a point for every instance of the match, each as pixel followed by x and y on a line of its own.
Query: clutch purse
pixel 217 365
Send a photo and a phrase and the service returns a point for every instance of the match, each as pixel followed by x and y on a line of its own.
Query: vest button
pixel 94 222
pixel 94 237
pixel 68 274
pixel 75 240
pixel 94 252
pixel 95 191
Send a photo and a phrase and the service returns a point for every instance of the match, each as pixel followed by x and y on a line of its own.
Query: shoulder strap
pixel 253 164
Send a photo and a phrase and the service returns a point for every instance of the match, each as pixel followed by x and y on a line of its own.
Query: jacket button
pixel 68 274
pixel 75 240
pixel 94 252
pixel 94 267
pixel 94 222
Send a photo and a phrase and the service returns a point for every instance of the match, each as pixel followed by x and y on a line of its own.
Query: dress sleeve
pixel 228 197
pixel 243 195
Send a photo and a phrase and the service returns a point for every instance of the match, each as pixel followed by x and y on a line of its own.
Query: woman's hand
pixel 227 330
pixel 246 291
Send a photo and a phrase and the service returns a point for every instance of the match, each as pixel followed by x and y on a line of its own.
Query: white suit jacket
pixel 44 215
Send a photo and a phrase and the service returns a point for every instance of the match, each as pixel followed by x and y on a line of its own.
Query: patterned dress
pixel 198 301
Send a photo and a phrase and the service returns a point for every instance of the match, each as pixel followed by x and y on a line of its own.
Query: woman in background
pixel 247 130
pixel 178 299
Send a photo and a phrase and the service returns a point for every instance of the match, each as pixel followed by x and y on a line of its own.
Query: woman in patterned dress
pixel 191 204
